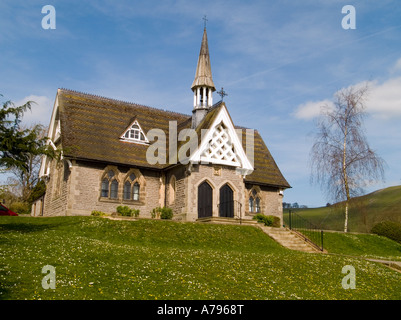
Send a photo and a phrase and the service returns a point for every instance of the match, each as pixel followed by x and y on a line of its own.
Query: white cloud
pixel 40 112
pixel 383 101
pixel 311 109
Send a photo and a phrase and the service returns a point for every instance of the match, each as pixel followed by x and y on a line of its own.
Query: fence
pixel 306 229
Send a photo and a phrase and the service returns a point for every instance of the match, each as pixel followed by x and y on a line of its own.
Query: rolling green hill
pixel 365 211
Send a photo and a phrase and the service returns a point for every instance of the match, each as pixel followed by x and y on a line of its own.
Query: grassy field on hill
pixel 364 213
pixel 98 258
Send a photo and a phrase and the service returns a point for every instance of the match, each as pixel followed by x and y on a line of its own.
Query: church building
pixel 116 153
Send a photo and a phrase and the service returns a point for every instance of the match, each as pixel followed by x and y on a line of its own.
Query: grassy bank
pixel 365 211
pixel 97 258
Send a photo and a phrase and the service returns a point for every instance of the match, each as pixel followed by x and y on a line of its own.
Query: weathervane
pixel 222 93
pixel 205 20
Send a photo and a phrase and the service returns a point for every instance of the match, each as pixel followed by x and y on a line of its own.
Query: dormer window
pixel 134 133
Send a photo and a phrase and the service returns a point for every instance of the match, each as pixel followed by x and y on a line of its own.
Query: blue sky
pixel 279 61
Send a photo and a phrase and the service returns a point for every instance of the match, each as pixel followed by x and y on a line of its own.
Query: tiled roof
pixel 91 127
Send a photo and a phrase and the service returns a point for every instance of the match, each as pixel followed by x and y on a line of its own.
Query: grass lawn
pixel 363 245
pixel 97 258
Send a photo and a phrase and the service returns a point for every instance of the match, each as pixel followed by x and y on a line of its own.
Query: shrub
pixel 389 229
pixel 276 222
pixel 155 213
pixel 163 213
pixel 270 221
pixel 166 213
pixel 127 212
pixel 98 213
pixel 20 207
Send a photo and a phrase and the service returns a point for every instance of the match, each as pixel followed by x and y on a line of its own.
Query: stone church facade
pixel 116 153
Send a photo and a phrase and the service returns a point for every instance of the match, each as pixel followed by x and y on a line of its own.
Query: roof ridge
pixel 103 98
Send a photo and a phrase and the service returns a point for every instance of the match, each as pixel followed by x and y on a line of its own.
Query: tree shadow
pixel 26 227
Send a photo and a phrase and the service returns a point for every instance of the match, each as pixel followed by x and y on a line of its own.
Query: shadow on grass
pixel 26 227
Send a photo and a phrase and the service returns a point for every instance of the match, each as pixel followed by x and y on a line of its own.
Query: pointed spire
pixel 203 75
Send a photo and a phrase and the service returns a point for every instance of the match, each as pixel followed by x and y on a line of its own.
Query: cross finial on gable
pixel 222 93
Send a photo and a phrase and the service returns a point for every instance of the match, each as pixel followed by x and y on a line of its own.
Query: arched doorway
pixel 226 205
pixel 205 200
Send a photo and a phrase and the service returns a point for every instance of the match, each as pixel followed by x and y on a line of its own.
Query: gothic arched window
pixel 131 188
pixel 135 191
pixel 250 204
pixel 127 190
pixel 254 202
pixel 257 205
pixel 109 188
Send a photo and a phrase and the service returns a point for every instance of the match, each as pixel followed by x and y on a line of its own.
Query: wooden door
pixel 226 205
pixel 205 200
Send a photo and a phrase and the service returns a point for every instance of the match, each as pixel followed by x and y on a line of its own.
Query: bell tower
pixel 203 86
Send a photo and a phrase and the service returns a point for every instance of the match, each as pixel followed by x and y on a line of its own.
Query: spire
pixel 203 75
pixel 203 85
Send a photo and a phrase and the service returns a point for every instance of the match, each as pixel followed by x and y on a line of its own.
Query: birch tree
pixel 341 159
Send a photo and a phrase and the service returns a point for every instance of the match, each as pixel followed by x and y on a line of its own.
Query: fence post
pixel 289 218
pixel 321 232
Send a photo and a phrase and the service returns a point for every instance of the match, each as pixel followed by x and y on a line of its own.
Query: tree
pixel 25 178
pixel 341 160
pixel 18 145
pixel 20 152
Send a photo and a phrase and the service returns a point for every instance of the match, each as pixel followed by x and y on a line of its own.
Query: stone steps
pixel 283 236
pixel 288 239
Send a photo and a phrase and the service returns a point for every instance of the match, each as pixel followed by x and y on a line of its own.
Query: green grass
pixel 364 213
pixel 362 245
pixel 97 258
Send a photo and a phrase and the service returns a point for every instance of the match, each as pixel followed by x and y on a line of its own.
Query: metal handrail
pixel 306 229
pixel 237 207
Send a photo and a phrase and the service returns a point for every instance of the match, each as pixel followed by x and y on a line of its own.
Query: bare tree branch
pixel 341 160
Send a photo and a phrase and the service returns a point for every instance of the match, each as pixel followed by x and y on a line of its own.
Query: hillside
pixel 97 258
pixel 365 211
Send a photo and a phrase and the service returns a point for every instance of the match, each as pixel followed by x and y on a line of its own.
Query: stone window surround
pixel 118 176
pixel 254 193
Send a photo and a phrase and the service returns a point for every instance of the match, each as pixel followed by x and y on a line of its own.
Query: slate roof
pixel 91 127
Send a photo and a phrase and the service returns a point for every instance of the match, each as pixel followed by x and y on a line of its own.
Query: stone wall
pixel 176 195
pixel 76 190
pixel 57 187
pixel 81 192
pixel 271 201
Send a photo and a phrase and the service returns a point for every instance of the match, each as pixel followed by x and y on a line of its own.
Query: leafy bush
pixel 166 213
pixel 155 213
pixel 20 207
pixel 98 213
pixel 389 229
pixel 270 221
pixel 163 213
pixel 127 212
